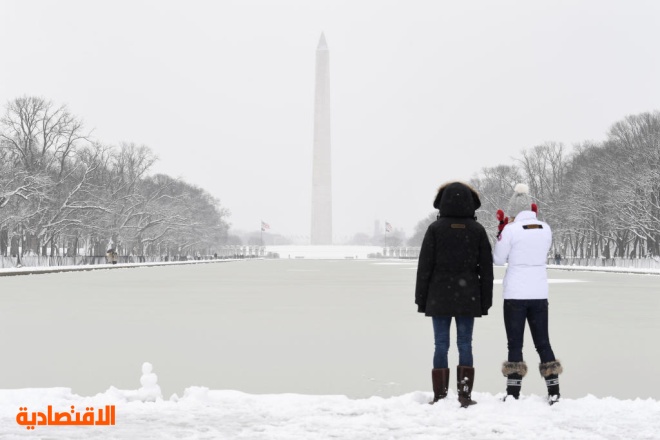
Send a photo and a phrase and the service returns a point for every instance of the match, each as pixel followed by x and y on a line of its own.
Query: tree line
pixel 602 199
pixel 62 192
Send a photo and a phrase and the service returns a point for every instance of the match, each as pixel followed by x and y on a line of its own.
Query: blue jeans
pixel 464 327
pixel 535 313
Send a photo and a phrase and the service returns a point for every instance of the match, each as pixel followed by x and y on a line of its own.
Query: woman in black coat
pixel 454 279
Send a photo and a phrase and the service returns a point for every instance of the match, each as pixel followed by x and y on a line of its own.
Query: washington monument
pixel 322 166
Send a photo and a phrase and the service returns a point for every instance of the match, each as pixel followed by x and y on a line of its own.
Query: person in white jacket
pixel 524 244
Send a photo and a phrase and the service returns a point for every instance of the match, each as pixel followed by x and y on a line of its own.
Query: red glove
pixel 503 221
pixel 535 209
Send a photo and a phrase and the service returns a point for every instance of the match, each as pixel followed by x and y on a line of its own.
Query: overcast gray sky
pixel 422 91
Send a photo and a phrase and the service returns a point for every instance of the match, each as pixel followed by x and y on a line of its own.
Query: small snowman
pixel 150 391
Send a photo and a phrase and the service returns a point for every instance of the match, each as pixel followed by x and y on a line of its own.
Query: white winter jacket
pixel 524 244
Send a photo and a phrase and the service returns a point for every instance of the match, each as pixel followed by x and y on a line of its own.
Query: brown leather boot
pixel 440 378
pixel 465 379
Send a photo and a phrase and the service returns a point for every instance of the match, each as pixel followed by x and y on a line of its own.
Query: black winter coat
pixel 455 269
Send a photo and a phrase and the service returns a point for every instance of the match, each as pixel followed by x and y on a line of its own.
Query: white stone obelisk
pixel 322 166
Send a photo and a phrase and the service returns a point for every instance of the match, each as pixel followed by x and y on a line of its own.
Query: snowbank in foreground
pixel 205 414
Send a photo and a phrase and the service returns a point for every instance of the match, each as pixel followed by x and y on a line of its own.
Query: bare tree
pixel 41 135
pixel 59 188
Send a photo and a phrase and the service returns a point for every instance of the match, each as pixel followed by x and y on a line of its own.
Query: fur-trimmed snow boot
pixel 440 378
pixel 514 372
pixel 465 379
pixel 550 372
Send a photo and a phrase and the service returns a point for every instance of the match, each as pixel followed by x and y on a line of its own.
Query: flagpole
pixel 261 228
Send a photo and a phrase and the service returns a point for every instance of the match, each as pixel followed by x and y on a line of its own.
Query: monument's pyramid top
pixel 322 44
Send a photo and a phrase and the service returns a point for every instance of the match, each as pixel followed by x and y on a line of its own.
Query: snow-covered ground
pixel 324 252
pixel 304 349
pixel 201 413
pixel 36 270
pixel 606 269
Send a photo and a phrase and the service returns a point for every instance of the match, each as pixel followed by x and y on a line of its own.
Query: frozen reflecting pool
pixel 306 326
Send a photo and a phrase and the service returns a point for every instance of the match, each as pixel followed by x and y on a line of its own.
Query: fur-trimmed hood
pixel 457 199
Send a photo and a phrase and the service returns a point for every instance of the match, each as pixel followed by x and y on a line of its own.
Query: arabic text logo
pixel 106 416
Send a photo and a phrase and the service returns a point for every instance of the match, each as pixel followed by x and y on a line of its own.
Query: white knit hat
pixel 519 201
